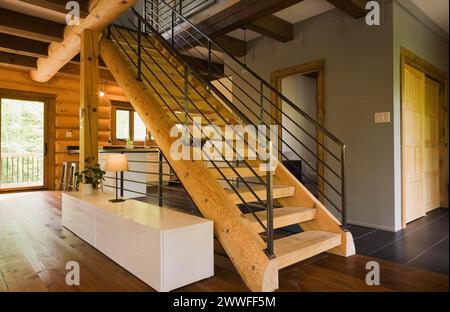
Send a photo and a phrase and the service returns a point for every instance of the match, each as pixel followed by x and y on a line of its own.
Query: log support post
pixel 89 98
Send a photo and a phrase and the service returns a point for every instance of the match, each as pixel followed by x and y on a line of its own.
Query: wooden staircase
pixel 241 234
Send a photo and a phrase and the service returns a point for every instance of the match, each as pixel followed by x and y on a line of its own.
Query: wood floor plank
pixel 34 249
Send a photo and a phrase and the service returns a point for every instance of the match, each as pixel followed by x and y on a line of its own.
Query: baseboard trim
pixel 375 226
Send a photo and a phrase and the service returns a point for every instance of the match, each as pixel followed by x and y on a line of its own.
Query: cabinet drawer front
pixel 79 219
pixel 141 253
pixel 109 235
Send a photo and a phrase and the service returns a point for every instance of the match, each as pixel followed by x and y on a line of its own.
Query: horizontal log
pixel 101 14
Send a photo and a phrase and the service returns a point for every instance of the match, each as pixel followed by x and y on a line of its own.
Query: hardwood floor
pixel 34 250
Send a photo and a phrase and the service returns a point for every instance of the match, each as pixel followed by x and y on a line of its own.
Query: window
pixel 123 124
pixel 126 124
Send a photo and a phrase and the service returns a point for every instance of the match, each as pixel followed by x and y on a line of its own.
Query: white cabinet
pixel 80 219
pixel 164 248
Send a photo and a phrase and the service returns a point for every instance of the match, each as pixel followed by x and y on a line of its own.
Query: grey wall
pixel 416 32
pixel 358 83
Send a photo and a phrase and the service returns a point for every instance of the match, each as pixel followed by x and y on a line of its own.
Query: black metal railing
pixel 186 8
pixel 256 102
pixel 151 46
pixel 181 96
pixel 150 180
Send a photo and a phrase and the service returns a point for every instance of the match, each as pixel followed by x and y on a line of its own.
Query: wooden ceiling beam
pixel 24 62
pixel 274 27
pixel 232 45
pixel 23 46
pixel 56 6
pixel 354 8
pixel 30 27
pixel 242 13
pixel 101 14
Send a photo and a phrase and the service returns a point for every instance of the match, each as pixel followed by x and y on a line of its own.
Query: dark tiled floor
pixel 424 243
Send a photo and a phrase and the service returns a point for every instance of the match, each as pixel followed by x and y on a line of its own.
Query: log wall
pixel 67 102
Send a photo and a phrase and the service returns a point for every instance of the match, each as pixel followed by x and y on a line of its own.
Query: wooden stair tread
pixel 298 247
pixel 279 191
pixel 282 217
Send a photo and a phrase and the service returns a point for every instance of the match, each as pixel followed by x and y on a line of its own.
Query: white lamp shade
pixel 116 162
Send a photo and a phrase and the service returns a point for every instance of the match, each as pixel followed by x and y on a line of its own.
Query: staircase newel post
pixel 261 103
pixel 209 60
pixel 186 103
pixel 160 179
pixel 343 189
pixel 269 190
pixel 173 30
pixel 139 50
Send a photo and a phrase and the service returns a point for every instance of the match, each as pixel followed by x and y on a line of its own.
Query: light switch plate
pixel 384 117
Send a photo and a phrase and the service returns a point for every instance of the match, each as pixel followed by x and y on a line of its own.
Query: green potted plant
pixel 129 144
pixel 90 178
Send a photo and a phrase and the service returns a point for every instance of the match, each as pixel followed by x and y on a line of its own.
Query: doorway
pixel 25 162
pixel 424 138
pixel 304 85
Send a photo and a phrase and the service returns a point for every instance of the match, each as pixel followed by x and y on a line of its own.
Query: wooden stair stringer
pixel 324 220
pixel 243 245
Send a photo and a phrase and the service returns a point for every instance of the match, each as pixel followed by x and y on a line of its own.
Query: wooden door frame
pixel 409 58
pixel 49 133
pixel 306 68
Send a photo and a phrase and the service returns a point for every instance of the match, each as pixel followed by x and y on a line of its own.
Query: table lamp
pixel 116 163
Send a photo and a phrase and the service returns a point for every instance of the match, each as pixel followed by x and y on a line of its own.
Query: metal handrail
pixel 300 142
pixel 209 43
pixel 319 159
pixel 255 75
pixel 265 111
pixel 312 153
pixel 156 91
pixel 139 76
pixel 170 42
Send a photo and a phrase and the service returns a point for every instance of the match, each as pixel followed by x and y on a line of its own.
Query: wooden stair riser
pixel 282 217
pixel 243 172
pixel 248 197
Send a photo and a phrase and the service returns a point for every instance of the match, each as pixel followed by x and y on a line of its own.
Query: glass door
pixel 22 144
